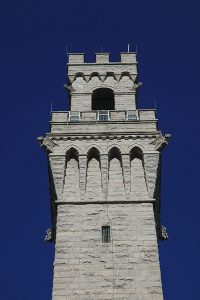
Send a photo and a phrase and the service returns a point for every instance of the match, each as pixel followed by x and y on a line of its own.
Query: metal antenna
pixel 101 49
pixel 51 108
pixel 136 48
pixel 155 104
pixel 128 48
pixel 66 49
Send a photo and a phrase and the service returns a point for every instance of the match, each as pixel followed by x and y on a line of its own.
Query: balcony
pixel 104 116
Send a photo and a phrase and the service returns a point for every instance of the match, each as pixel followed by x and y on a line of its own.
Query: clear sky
pixel 33 36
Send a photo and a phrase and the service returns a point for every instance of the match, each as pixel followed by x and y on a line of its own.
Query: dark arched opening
pixel 103 99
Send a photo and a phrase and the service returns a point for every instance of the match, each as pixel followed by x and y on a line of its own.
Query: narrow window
pixel 106 234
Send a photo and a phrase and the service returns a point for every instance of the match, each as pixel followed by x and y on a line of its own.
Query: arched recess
pixel 115 176
pixel 79 74
pixel 110 74
pixel 93 147
pixel 71 191
pixel 123 74
pixel 103 99
pixel 93 178
pixel 138 179
pixel 94 74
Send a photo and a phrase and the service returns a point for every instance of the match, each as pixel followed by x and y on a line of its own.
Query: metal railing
pixel 103 116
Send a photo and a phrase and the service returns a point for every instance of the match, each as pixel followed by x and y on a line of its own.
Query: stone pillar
pixel 57 166
pixel 83 174
pixel 104 174
pixel 151 163
pixel 126 174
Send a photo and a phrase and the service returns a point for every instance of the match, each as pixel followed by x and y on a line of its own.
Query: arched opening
pixel 138 179
pixel 71 189
pixel 93 177
pixel 103 99
pixel 115 176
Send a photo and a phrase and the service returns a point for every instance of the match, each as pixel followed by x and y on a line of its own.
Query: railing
pixel 104 116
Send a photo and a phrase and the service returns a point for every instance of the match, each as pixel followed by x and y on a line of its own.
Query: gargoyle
pixel 68 87
pixel 162 233
pixel 48 237
pixel 160 141
pixel 136 85
pixel 47 143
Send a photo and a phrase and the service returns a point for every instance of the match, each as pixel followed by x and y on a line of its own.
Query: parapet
pixel 102 67
pixel 102 58
pixel 76 58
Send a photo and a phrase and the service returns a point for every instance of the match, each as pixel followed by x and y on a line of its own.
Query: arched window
pixel 103 99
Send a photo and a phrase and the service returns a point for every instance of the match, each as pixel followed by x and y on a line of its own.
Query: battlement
pixel 102 58
pixel 119 77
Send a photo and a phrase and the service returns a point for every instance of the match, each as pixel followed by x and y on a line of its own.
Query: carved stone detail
pixel 135 86
pixel 49 236
pixel 69 87
pixel 47 143
pixel 162 233
pixel 160 141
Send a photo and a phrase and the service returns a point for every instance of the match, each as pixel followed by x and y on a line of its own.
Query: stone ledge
pixel 105 202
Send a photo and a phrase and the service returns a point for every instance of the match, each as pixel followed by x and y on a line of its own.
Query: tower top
pixel 119 77
pixel 102 57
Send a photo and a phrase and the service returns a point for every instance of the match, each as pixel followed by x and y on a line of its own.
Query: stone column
pixel 104 174
pixel 83 174
pixel 151 163
pixel 126 174
pixel 57 169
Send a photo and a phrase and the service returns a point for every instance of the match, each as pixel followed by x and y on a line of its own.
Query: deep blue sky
pixel 33 36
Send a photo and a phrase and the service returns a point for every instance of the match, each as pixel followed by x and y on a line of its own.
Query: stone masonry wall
pixel 105 174
pixel 126 268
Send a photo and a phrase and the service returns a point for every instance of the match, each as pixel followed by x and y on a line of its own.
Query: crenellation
pixel 76 58
pixel 128 57
pixel 102 58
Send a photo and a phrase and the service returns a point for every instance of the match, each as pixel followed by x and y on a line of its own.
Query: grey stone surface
pixel 105 174
pixel 126 268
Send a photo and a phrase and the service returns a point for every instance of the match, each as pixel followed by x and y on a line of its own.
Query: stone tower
pixel 104 170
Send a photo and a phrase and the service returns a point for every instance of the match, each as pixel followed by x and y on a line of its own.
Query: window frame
pixel 106 234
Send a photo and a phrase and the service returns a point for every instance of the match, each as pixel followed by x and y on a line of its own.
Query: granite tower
pixel 104 170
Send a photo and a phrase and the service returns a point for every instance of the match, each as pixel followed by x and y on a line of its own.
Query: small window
pixel 105 234
pixel 131 116
pixel 74 116
pixel 103 115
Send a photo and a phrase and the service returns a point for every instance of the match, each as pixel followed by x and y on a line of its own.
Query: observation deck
pixel 127 121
